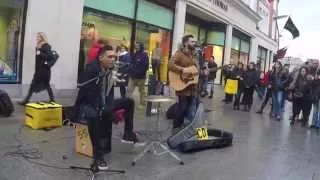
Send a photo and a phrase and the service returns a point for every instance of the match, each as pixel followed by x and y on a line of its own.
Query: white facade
pixel 243 15
pixel 62 26
pixel 61 21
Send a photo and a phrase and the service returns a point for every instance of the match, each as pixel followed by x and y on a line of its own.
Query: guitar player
pixel 183 58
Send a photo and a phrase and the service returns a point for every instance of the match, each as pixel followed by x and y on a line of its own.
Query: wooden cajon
pixel 83 141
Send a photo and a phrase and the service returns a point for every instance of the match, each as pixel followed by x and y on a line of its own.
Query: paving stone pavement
pixel 263 149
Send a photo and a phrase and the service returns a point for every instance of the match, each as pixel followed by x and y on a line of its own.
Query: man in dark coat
pixel 96 105
pixel 212 74
pixel 138 71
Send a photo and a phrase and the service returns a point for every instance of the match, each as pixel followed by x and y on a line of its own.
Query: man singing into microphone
pixel 98 106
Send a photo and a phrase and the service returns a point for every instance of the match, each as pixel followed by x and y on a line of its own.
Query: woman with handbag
pixel 42 74
pixel 301 95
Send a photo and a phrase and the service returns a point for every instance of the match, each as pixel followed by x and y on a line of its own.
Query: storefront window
pixel 11 17
pixel 244 52
pixel 202 36
pixel 234 56
pixel 262 58
pixel 218 56
pixel 235 51
pixel 190 29
pixel 240 51
pixel 155 38
pixel 113 30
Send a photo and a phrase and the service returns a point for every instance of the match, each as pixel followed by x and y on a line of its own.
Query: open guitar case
pixel 186 139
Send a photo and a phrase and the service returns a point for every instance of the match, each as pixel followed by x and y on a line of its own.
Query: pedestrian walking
pixel 277 82
pixel 301 95
pixel 138 72
pixel 42 74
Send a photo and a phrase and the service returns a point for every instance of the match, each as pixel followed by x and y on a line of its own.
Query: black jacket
pixel 90 94
pixel 250 78
pixel 278 81
pixel 212 67
pixel 139 64
pixel 42 74
pixel 238 73
pixel 303 87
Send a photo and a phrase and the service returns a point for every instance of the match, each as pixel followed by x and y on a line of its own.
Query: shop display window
pixel 155 39
pixel 217 52
pixel 190 29
pixel 110 29
pixel 262 58
pixel 234 57
pixel 11 22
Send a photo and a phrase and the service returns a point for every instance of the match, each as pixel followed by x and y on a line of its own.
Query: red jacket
pixel 265 80
pixel 93 52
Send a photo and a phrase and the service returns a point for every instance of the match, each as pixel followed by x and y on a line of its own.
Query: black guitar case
pixel 217 139
pixel 186 140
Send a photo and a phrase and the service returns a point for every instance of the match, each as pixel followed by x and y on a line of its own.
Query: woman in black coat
pixel 249 83
pixel 301 95
pixel 239 75
pixel 42 74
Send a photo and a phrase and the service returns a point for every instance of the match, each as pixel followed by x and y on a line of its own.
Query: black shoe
pixel 291 122
pixel 312 127
pixel 210 97
pixel 99 165
pixel 259 112
pixel 22 103
pixel 131 138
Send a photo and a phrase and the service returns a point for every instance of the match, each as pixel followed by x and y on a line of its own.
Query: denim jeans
pixel 261 91
pixel 315 116
pixel 277 97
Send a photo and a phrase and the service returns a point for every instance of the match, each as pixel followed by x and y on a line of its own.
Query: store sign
pixel 222 4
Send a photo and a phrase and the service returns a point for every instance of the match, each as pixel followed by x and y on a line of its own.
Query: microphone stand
pixel 94 171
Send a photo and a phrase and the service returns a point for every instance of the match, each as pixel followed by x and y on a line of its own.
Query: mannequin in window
pixel 13 34
pixel 156 60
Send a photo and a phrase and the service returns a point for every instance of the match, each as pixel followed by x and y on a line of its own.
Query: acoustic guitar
pixel 181 81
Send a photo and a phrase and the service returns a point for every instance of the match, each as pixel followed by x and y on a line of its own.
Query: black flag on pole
pixel 292 28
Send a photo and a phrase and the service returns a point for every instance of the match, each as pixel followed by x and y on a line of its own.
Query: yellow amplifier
pixel 83 141
pixel 43 115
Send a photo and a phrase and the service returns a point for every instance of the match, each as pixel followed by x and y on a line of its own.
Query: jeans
pixel 277 97
pixel 304 105
pixel 237 98
pixel 133 83
pixel 248 96
pixel 210 87
pixel 261 91
pixel 266 99
pixel 100 128
pixel 315 116
pixel 156 63
pixel 184 104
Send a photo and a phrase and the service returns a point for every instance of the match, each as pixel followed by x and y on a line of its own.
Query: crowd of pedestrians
pixel 300 87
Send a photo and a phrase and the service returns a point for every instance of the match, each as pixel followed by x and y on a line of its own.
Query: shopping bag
pixel 231 86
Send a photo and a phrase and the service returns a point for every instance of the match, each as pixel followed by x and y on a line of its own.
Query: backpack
pixel 53 56
pixel 6 106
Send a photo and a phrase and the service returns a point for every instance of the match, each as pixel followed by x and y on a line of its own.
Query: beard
pixel 190 47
